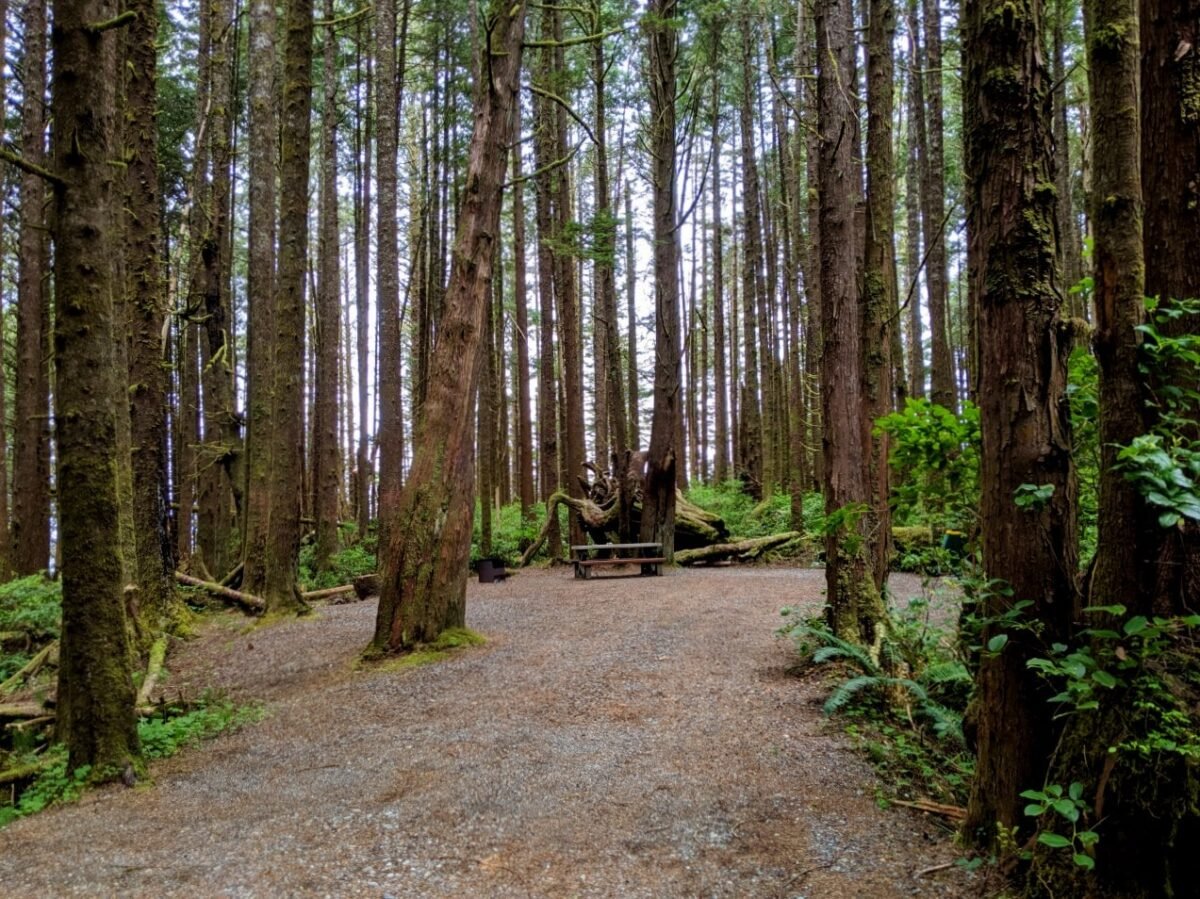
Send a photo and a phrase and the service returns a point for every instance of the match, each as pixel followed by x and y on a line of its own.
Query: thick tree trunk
pixel 327 463
pixel 631 349
pixel 1012 257
pixel 524 439
pixel 750 426
pixel 5 548
pixel 879 302
pixel 260 290
pixel 30 528
pixel 933 190
pixel 287 436
pixel 387 120
pixel 854 607
pixel 658 500
pixel 912 208
pixel 364 478
pixel 423 588
pixel 95 687
pixel 721 426
pixel 1170 161
pixel 147 370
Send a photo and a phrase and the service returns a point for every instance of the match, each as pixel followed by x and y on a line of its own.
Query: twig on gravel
pixel 935 869
pixel 953 812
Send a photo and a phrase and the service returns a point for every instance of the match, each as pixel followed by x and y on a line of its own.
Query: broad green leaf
pixel 1053 840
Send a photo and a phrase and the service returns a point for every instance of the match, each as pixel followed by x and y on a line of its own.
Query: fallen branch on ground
pixel 743 549
pixel 253 603
pixel 30 668
pixel 953 812
pixel 327 592
pixel 154 667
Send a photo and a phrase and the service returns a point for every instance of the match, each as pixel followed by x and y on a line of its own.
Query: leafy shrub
pixel 345 566
pixel 510 531
pixel 935 456
pixel 31 606
pixel 746 518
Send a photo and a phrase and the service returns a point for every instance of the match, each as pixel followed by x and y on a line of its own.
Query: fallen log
pixel 253 603
pixel 12 775
pixel 22 710
pixel 950 812
pixel 30 668
pixel 154 667
pixel 327 592
pixel 743 549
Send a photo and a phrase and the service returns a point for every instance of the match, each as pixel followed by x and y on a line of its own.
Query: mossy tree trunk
pixel 260 291
pixel 95 688
pixel 1026 438
pixel 327 456
pixel 287 413
pixel 879 307
pixel 423 584
pixel 854 608
pixel 1145 806
pixel 154 562
pixel 30 526
pixel 524 435
pixel 658 493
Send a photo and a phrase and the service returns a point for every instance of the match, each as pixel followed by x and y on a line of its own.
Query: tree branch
pixel 25 166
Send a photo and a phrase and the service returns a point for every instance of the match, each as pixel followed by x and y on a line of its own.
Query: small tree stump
pixel 366 585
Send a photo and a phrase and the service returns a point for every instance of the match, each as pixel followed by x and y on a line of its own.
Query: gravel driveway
pixel 626 737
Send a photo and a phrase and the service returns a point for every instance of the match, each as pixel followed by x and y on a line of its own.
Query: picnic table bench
pixel 648 555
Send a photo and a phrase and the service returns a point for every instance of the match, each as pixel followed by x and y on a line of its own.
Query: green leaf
pixel 1169 519
pixel 1053 840
pixel 1116 609
pixel 1104 679
pixel 1067 808
pixel 1084 861
pixel 997 642
pixel 1033 810
pixel 1075 791
pixel 1136 625
pixel 1087 837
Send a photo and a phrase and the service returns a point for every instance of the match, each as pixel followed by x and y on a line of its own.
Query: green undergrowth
pixel 903 706
pixel 30 617
pixel 448 643
pixel 172 728
pixel 746 517
pixel 345 565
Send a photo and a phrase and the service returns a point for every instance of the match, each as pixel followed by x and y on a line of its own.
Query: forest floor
pixel 614 737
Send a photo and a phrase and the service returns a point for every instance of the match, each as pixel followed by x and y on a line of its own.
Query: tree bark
pixel 854 607
pixel 721 427
pixel 260 290
pixel 933 190
pixel 327 463
pixel 95 687
pixel 658 494
pixel 154 562
pixel 750 430
pixel 521 337
pixel 912 208
pixel 287 437
pixel 30 526
pixel 1026 436
pixel 425 562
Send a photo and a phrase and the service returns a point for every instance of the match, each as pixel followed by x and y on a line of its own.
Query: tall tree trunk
pixel 721 428
pixel 658 494
pixel 611 385
pixel 750 431
pixel 425 561
pixel 912 208
pixel 260 290
pixel 854 606
pixel 362 278
pixel 387 280
pixel 31 415
pixel 933 190
pixel 879 303
pixel 566 293
pixel 5 548
pixel 635 426
pixel 521 338
pixel 1069 244
pixel 95 686
pixel 327 464
pixel 548 406
pixel 1170 161
pixel 220 453
pixel 1026 432
pixel 154 568
pixel 287 410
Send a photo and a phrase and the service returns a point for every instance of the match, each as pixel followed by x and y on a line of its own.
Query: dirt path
pixel 624 737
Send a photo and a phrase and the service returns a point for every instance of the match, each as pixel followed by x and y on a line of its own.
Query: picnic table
pixel 648 555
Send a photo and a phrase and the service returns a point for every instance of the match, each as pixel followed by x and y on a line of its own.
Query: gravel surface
pixel 631 737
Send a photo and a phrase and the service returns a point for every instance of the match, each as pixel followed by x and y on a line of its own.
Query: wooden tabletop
pixel 590 546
